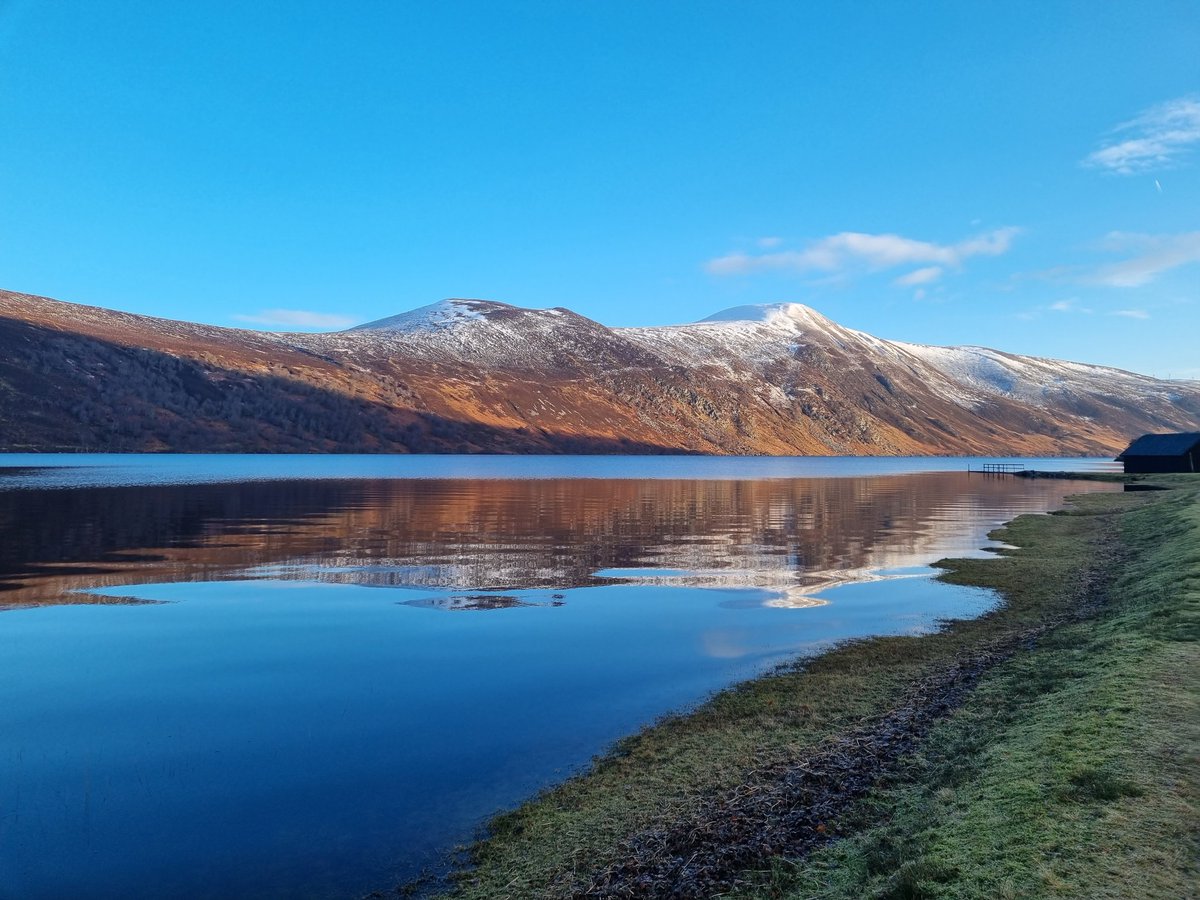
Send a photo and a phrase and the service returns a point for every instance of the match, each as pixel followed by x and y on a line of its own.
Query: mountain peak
pixel 434 316
pixel 773 313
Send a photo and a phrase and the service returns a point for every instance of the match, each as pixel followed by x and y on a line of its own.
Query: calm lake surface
pixel 312 676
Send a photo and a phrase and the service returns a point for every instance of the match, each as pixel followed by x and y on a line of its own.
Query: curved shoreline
pixel 784 785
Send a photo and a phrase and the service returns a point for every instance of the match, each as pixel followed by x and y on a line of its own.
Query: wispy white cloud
pixel 1155 254
pixel 768 243
pixel 1131 313
pixel 1069 306
pixel 927 275
pixel 300 318
pixel 1156 139
pixel 850 249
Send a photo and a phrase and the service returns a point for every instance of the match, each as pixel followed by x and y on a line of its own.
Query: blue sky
pixel 1023 175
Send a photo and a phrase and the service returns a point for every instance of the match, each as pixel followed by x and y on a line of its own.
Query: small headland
pixel 1047 748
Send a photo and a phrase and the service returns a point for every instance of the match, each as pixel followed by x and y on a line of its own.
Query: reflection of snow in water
pixel 785 588
pixel 790 600
pixel 724 560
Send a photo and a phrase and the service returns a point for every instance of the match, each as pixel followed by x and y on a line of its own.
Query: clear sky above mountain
pixel 1024 175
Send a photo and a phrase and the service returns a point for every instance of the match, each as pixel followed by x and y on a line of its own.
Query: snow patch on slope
pixel 1028 379
pixel 976 367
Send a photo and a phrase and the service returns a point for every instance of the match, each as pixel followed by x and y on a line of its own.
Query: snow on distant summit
pixel 778 313
pixel 442 314
pixel 456 311
pixel 733 338
pixel 486 332
pixel 748 344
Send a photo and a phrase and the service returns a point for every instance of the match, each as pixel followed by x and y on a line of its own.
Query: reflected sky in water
pixel 315 687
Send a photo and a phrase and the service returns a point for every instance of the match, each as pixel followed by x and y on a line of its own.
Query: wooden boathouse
pixel 1178 452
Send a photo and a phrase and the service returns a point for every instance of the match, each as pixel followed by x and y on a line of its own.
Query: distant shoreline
pixel 76 470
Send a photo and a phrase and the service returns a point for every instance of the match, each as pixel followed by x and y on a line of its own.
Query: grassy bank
pixel 1048 748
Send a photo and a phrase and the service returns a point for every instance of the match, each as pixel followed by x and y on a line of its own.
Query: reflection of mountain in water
pixel 791 537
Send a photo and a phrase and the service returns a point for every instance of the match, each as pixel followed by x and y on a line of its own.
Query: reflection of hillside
pixel 56 541
pixel 794 537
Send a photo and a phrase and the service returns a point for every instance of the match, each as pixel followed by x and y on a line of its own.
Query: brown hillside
pixel 474 376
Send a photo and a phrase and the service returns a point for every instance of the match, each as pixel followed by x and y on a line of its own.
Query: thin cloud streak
pixel 848 249
pixel 1160 253
pixel 299 318
pixel 928 275
pixel 1156 139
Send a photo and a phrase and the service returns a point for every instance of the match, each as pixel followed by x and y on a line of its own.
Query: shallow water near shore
pixel 317 686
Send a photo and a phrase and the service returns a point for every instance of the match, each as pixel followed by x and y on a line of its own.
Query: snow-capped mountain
pixel 765 339
pixel 481 376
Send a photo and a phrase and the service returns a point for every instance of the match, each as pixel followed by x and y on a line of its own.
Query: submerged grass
pixel 1064 764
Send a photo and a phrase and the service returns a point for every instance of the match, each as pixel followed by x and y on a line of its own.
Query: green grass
pixel 1069 772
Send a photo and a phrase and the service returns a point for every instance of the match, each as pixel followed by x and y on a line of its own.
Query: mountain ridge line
pixel 466 375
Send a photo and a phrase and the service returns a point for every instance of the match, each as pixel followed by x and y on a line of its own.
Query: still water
pixel 220 679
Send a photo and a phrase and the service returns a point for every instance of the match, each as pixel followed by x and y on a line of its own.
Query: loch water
pixel 313 676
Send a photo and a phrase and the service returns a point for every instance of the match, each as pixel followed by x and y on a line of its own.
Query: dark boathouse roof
pixel 1162 444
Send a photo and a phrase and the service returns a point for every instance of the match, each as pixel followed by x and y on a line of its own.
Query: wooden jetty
pixel 996 469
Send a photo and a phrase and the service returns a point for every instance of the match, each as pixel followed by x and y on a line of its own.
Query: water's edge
pixel 518 848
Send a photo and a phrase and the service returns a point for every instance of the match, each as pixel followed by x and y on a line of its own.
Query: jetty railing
pixel 996 468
